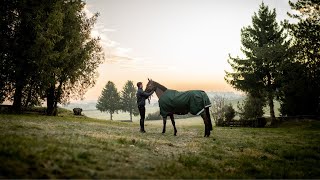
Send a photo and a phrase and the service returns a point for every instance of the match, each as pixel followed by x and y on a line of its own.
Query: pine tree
pixel 129 99
pixel 301 92
pixel 265 47
pixel 109 101
pixel 251 108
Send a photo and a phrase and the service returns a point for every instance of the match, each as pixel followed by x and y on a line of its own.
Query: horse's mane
pixel 160 86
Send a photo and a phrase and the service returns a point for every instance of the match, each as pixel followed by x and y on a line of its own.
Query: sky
pixel 182 44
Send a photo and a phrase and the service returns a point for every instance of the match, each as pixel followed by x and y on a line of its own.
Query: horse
pixel 173 102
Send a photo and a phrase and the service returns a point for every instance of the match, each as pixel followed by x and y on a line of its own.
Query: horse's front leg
pixel 164 124
pixel 173 124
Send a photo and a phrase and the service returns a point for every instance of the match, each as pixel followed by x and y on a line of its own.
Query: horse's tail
pixel 207 104
pixel 209 118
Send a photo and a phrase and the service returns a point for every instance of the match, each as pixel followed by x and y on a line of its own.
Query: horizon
pixel 155 98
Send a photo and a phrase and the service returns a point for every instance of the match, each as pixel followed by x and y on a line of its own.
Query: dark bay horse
pixel 172 102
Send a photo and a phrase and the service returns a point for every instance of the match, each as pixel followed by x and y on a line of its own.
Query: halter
pixel 149 98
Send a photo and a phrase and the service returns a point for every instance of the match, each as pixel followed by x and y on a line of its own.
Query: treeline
pixel 46 52
pixel 112 101
pixel 248 111
pixel 282 61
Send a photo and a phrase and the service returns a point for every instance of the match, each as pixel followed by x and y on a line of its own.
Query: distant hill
pixel 226 95
pixel 85 105
pixel 90 105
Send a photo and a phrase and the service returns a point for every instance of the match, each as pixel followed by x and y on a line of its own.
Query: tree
pixel 17 37
pixel 251 108
pixel 8 20
pixel 265 47
pixel 217 110
pixel 294 91
pixel 300 93
pixel 48 52
pixel 73 70
pixel 229 112
pixel 109 100
pixel 129 99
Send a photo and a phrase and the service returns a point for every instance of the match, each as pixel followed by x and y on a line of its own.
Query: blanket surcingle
pixel 176 102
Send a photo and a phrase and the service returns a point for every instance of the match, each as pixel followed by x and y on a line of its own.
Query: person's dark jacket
pixel 142 96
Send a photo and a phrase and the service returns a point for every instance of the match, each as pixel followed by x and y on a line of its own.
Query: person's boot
pixel 142 126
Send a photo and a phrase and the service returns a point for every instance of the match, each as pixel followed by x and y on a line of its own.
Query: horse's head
pixel 150 86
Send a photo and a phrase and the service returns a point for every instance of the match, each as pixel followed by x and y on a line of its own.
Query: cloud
pixel 113 50
pixel 108 30
pixel 143 64
pixel 115 53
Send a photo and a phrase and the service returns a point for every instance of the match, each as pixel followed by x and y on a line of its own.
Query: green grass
pixel 33 146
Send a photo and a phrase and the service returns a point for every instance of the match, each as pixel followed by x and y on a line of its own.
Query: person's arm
pixel 145 94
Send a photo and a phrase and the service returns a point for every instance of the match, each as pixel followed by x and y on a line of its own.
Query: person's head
pixel 140 85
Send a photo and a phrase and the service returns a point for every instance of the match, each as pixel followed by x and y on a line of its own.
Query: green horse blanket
pixel 175 102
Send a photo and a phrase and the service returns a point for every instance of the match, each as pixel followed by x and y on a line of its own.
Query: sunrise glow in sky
pixel 182 44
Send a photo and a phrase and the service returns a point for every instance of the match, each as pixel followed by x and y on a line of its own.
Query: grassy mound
pixel 34 146
pixel 8 109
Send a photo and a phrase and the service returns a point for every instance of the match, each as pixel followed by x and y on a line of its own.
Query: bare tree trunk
pixel 270 101
pixel 271 105
pixel 111 116
pixel 50 101
pixel 28 100
pixel 17 104
pixel 57 98
pixel 131 116
pixel 18 93
pixel 55 108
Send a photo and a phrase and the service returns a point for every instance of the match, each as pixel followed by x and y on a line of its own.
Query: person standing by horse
pixel 141 101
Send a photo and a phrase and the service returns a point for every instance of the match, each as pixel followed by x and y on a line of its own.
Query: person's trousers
pixel 142 111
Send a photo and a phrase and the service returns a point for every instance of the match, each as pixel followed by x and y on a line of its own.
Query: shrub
pixel 229 112
pixel 154 116
pixel 251 108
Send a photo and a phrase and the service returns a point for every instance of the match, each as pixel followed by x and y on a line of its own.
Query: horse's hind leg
pixel 206 125
pixel 209 118
pixel 164 125
pixel 173 124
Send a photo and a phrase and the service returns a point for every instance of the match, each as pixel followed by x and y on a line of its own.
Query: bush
pixel 154 116
pixel 217 110
pixel 229 112
pixel 251 108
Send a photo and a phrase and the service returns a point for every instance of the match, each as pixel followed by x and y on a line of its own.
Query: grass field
pixel 117 116
pixel 34 146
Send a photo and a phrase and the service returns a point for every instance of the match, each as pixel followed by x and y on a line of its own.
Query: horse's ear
pixel 148 79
